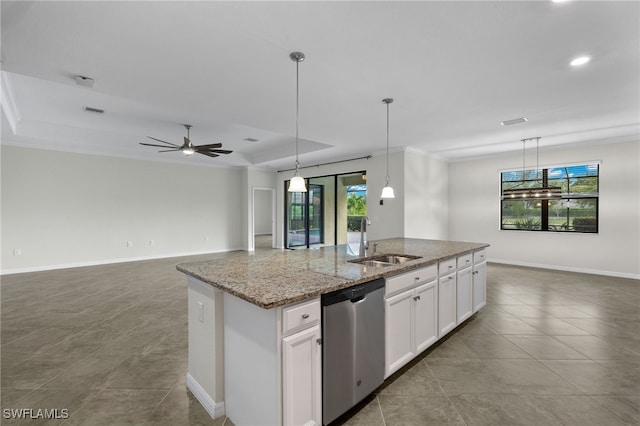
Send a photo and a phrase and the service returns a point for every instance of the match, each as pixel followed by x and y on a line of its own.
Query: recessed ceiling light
pixel 580 60
pixel 514 121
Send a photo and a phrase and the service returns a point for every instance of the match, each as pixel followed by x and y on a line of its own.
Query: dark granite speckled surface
pixel 279 278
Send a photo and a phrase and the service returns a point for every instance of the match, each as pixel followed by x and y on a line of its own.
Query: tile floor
pixel 109 344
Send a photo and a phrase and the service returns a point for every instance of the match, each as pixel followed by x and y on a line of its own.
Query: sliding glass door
pixel 305 217
pixel 328 214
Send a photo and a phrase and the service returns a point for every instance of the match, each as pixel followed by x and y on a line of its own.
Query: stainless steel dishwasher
pixel 352 346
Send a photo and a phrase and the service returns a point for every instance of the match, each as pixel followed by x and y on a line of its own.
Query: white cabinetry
pixel 301 364
pixel 426 315
pixel 464 291
pixel 302 378
pixel 398 330
pixel 446 304
pixel 479 280
pixel 410 317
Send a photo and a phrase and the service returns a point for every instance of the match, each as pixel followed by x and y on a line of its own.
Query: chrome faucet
pixel 364 245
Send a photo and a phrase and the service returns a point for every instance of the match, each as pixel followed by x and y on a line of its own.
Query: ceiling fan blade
pixel 171 150
pixel 213 145
pixel 159 146
pixel 168 143
pixel 220 151
pixel 209 154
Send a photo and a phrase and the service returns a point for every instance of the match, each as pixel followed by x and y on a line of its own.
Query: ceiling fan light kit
pixel 187 148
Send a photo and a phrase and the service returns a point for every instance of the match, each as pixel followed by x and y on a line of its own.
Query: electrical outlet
pixel 151 242
pixel 206 238
pixel 17 252
pixel 129 243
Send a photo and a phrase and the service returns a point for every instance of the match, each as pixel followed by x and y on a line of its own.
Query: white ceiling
pixel 455 70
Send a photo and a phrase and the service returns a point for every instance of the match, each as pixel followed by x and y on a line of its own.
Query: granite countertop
pixel 276 278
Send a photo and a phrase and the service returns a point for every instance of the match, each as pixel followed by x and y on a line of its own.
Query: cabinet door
pixel 426 315
pixel 398 331
pixel 301 378
pixel 447 304
pixel 464 290
pixel 479 286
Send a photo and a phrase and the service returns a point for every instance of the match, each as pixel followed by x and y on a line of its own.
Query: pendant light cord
pixel 297 111
pixel 387 143
pixel 523 152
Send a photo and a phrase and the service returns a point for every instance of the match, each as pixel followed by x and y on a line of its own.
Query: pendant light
pixel 387 191
pixel 297 183
pixel 542 192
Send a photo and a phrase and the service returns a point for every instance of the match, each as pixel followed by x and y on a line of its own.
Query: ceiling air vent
pixel 514 121
pixel 96 110
pixel 250 139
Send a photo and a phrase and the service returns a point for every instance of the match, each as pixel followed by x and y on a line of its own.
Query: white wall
pixel 64 209
pixel 426 206
pixel 474 213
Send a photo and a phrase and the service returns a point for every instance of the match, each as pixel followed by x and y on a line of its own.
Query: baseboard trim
pixel 109 261
pixel 215 409
pixel 567 268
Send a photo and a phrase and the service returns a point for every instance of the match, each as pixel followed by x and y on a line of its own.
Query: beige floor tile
pixel 418 410
pixel 545 347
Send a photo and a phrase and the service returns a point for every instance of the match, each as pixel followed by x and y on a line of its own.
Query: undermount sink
pixel 373 263
pixel 384 260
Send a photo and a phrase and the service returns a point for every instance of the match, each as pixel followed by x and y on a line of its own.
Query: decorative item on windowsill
pixel 542 192
pixel 387 191
pixel 297 183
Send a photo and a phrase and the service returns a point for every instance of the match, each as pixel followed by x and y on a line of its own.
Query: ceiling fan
pixel 188 148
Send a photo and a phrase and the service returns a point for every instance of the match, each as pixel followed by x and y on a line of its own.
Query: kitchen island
pixel 254 320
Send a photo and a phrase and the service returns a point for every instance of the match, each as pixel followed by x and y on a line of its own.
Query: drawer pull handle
pixel 467 260
pixel 319 341
pixel 305 316
pixel 450 266
pixel 450 278
pixel 417 278
pixel 416 298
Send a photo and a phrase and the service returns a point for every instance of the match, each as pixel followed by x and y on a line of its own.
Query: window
pixel 576 211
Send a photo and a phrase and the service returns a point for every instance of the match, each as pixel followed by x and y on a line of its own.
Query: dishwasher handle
pixel 354 294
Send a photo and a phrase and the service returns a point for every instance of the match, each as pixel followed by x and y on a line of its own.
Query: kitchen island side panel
pixel 251 368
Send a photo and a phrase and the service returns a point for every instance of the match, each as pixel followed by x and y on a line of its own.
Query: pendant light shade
pixel 387 191
pixel 297 183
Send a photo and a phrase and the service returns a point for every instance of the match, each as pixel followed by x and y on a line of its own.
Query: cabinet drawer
pixel 300 315
pixel 479 256
pixel 465 261
pixel 410 279
pixel 447 266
